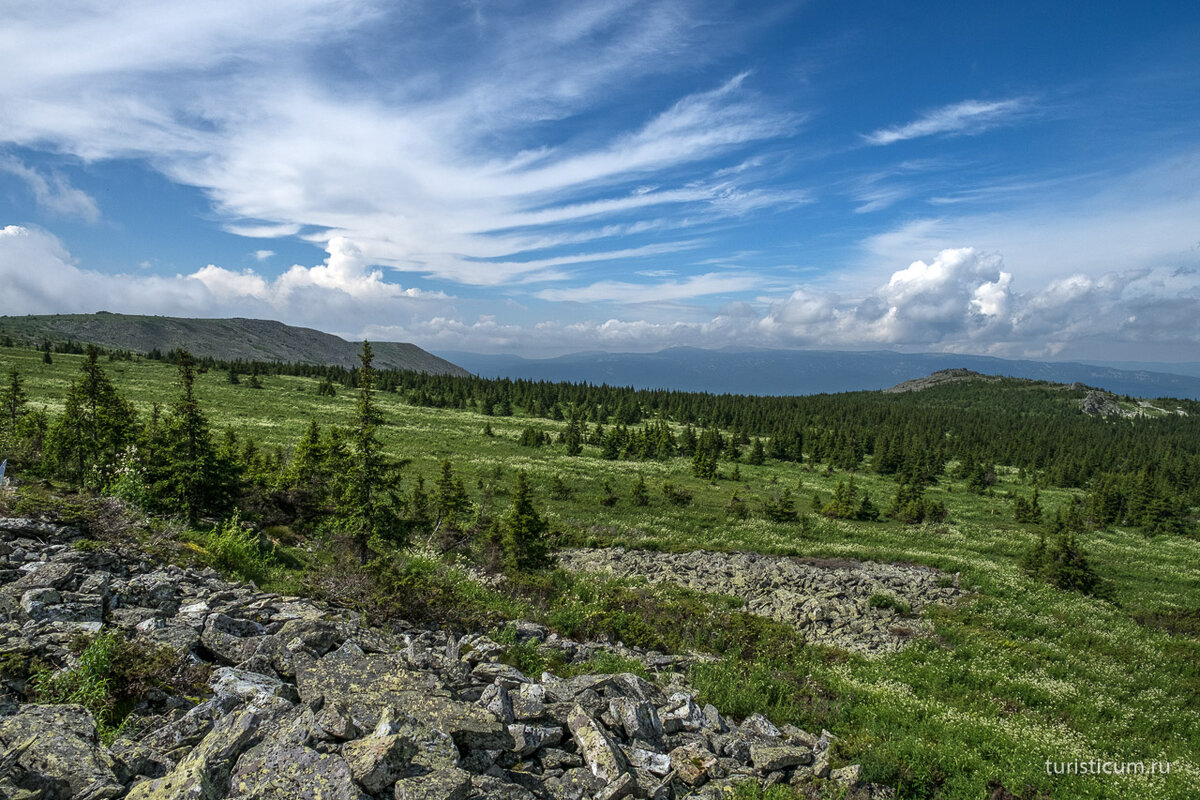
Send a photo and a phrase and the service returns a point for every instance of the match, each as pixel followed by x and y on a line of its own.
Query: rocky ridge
pixel 838 604
pixel 304 700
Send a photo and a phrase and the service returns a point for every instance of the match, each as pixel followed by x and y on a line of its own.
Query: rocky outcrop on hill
pixel 854 605
pixel 938 378
pixel 304 700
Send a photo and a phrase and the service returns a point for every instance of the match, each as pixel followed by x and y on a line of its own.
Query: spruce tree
pixel 640 497
pixel 13 398
pixel 187 475
pixel 96 425
pixel 523 532
pixel 369 506
pixel 450 498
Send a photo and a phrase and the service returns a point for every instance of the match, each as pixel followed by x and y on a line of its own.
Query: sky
pixel 1015 179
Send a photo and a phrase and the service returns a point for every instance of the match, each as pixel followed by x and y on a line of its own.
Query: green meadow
pixel 1017 674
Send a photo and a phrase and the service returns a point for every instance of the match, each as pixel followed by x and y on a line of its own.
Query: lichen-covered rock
pixel 770 758
pixel 60 752
pixel 450 783
pixel 367 684
pixel 275 771
pixel 692 763
pixel 377 762
pixel 204 773
pixel 595 747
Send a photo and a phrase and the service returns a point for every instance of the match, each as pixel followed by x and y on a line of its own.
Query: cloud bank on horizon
pixel 553 177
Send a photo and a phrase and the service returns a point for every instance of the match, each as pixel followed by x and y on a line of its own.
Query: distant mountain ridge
pixel 785 372
pixel 230 339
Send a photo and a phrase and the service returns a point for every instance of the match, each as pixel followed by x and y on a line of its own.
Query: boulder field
pixel 301 699
pixel 865 607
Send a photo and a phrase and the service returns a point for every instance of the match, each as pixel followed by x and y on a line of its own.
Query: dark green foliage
pixel 326 388
pixel 640 496
pixel 184 473
pixel 1064 563
pixel 369 505
pixel 13 399
pixel 867 512
pixel 112 674
pixel 572 437
pixel 97 424
pixel 559 490
pixel 450 499
pixel 911 506
pixel 781 508
pixel 844 504
pixel 609 498
pixel 523 532
pixel 758 455
pixel 1028 511
pixel 736 508
pixel 532 437
pixel 676 495
pixel 888 601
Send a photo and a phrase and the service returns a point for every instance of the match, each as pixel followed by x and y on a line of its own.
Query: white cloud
pixel 53 192
pixel 426 164
pixel 969 116
pixel 41 277
pixel 623 292
pixel 263 255
pixel 961 300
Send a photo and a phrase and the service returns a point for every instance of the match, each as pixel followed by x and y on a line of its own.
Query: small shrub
pixel 676 496
pixel 233 549
pixel 887 601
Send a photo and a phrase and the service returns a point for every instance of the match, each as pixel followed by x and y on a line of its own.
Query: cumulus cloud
pixel 969 116
pixel 960 300
pixel 41 277
pixel 53 192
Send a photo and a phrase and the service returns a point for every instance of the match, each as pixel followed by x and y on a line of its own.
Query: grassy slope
pixel 1019 674
pixel 226 339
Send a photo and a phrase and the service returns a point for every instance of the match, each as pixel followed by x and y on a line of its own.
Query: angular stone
pixel 758 725
pixel 60 752
pixel 682 714
pixel 204 773
pixel 529 701
pixel 450 783
pixel 334 719
pixel 769 758
pixel 595 747
pixel 378 761
pixel 621 788
pixel 366 685
pixel 847 776
pixel 656 763
pixel 637 718
pixel 496 698
pixel 276 771
pixel 247 686
pixel 528 739
pixel 692 763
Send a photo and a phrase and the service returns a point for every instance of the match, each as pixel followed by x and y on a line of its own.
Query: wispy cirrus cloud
pixel 694 286
pixel 430 164
pixel 53 192
pixel 969 116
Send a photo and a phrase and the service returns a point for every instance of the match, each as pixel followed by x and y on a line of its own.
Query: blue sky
pixel 1017 179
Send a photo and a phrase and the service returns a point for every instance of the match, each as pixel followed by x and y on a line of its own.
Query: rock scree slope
pixel 855 605
pixel 304 700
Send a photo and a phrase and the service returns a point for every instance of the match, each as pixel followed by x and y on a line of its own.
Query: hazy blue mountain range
pixel 781 372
